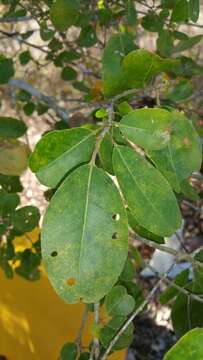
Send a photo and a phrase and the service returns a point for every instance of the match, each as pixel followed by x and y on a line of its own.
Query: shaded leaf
pixel 186 313
pixel 131 13
pixel 109 331
pixel 181 91
pixel 69 352
pixel 180 11
pixel 11 128
pixel 10 183
pixel 25 219
pixel 194 10
pixel 88 37
pixel 169 294
pixel 152 22
pixel 189 191
pixel 117 47
pixel 64 13
pixel 68 73
pixel 141 231
pixel 118 302
pixel 105 154
pixel 6 70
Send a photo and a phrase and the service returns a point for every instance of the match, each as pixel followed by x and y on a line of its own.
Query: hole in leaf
pixel 116 217
pixel 115 236
pixel 71 281
pixel 54 253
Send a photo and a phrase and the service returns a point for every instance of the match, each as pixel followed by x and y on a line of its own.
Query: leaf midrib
pixel 85 221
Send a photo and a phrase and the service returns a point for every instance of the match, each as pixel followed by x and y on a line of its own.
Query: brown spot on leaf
pixel 71 281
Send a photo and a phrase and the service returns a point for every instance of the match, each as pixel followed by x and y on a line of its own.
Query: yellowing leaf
pixel 13 157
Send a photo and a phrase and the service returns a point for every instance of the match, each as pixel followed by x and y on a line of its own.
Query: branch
pixel 15 19
pixel 180 255
pixel 17 37
pixel 95 347
pixel 50 101
pixel 78 339
pixel 174 285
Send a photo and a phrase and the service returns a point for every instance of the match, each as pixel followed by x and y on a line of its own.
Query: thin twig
pixel 15 19
pixel 78 339
pixel 95 347
pixel 175 286
pixel 61 112
pixel 180 255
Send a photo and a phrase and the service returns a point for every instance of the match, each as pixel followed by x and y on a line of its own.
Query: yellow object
pixel 35 322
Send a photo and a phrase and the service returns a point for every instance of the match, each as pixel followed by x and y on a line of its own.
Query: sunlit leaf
pixel 85 224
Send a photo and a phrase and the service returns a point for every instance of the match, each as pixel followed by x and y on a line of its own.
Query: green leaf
pixel 6 70
pixel 169 294
pixel 141 231
pixel 117 47
pixel 189 347
pixel 128 271
pixel 29 108
pixel 118 302
pixel 186 314
pixel 25 57
pixel 165 43
pixel 84 356
pixel 187 43
pixel 194 10
pixel 146 192
pixel 77 232
pixel 110 330
pixel 124 108
pixel 64 13
pixel 71 148
pixel 181 91
pixel 188 191
pixel 131 13
pixel 183 153
pixel 11 184
pixel 13 157
pixel 11 128
pixel 180 11
pixel 101 113
pixel 152 22
pixel 68 73
pixel 149 128
pixel 69 352
pixel 140 66
pixel 8 203
pixel 25 219
pixel 29 265
pixel 88 37
pixel 105 154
